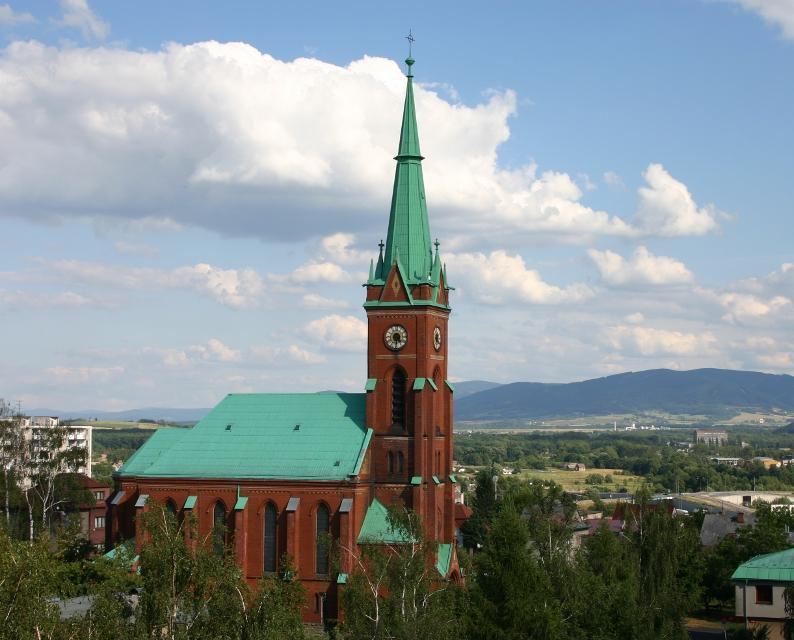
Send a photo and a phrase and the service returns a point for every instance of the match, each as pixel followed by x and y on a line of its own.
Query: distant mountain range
pixel 708 392
pixel 168 414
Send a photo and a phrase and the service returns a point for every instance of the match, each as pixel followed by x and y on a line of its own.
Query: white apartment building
pixel 78 436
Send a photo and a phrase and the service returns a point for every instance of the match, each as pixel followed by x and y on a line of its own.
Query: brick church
pixel 284 471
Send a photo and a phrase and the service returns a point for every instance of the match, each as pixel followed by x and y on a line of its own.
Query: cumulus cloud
pixel 78 15
pixel 286 150
pixel 339 247
pixel 343 333
pixel 239 288
pixel 742 306
pixel 316 301
pixel 216 350
pixel 776 12
pixel 667 208
pixel 648 341
pixel 9 17
pixel 642 268
pixel 319 272
pixel 500 277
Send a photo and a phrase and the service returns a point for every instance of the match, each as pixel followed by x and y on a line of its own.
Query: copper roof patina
pixel 770 567
pixel 408 244
pixel 307 436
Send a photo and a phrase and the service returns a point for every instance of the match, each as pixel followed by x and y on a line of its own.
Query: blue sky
pixel 190 192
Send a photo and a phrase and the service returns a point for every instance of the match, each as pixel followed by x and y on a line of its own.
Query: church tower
pixel 409 398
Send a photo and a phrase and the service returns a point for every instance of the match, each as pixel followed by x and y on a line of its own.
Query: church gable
pixel 395 289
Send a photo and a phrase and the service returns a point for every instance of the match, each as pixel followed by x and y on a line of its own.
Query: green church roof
pixel 772 567
pixel 307 436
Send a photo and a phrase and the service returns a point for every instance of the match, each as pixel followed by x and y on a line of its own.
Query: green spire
pixel 409 231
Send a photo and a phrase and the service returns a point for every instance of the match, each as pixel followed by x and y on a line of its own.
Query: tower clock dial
pixel 437 338
pixel 396 337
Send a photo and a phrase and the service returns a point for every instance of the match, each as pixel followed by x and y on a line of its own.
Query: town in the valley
pixel 456 396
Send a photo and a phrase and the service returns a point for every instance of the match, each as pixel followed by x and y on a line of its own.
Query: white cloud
pixel 9 17
pixel 614 180
pixel 338 248
pixel 311 142
pixel 776 12
pixel 648 341
pixel 316 301
pixel 293 353
pixel 78 15
pixel 215 350
pixel 319 272
pixel 239 288
pixel 742 306
pixel 667 208
pixel 500 277
pixel 643 268
pixel 345 333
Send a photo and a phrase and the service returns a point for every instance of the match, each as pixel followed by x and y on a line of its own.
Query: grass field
pixel 575 480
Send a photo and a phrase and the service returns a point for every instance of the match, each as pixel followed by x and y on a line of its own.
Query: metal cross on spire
pixel 411 39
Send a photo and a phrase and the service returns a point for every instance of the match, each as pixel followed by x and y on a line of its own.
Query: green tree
pixel 395 591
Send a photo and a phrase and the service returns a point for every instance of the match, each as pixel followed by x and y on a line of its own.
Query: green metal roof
pixel 312 436
pixel 416 480
pixel 772 567
pixel 241 502
pixel 453 478
pixel 450 385
pixel 370 386
pixel 376 528
pixel 436 480
pixel 341 578
pixel 408 242
pixel 190 502
pixel 444 558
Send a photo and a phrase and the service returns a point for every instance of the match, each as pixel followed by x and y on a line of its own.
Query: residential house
pixel 760 584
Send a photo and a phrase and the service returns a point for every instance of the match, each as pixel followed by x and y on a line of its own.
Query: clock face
pixel 396 337
pixel 437 338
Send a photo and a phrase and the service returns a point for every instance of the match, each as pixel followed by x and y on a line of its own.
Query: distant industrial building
pixel 727 461
pixel 711 437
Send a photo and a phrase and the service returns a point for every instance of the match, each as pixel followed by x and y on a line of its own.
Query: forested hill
pixel 711 392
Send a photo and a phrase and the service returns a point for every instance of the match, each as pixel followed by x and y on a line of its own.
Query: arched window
pixel 321 539
pixel 398 398
pixel 219 528
pixel 390 462
pixel 271 552
pixel 170 507
pixel 400 461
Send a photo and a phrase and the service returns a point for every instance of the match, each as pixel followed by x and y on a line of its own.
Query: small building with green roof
pixel 760 584
pixel 281 472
